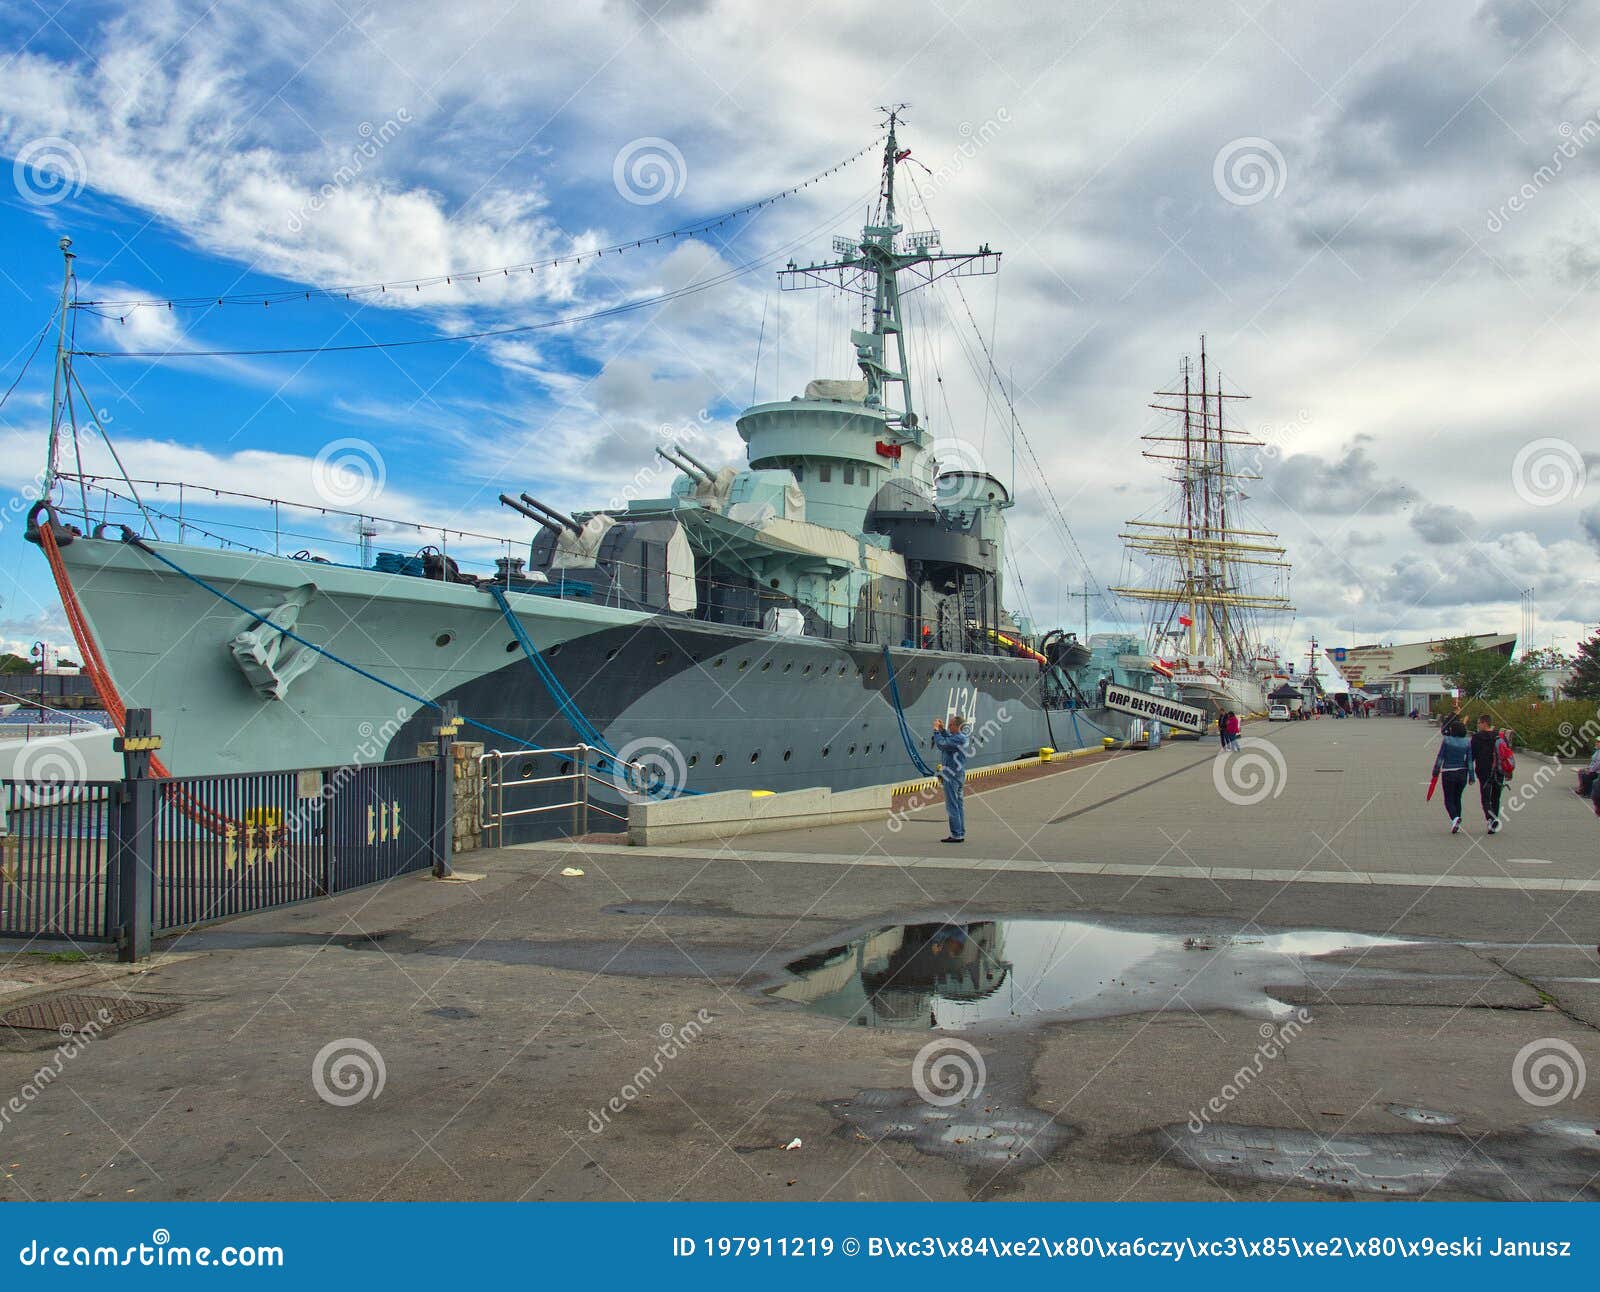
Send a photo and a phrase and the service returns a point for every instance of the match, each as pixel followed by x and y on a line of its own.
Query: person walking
pixel 952 743
pixel 1235 726
pixel 1453 766
pixel 1485 745
pixel 1222 731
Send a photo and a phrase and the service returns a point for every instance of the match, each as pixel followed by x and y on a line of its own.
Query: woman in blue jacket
pixel 1453 766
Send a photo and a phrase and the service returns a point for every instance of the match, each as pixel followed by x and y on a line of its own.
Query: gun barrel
pixel 683 466
pixel 553 513
pixel 508 501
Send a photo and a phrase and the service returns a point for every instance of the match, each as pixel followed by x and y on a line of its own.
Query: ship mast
pixel 871 267
pixel 1209 551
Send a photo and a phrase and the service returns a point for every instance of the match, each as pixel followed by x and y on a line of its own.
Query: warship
pixel 796 620
pixel 1206 622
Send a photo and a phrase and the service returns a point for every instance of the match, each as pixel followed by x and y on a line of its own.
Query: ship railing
pixel 191 513
pixel 516 771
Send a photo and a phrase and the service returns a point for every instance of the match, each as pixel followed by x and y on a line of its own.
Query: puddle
pixel 452 1012
pixel 991 1132
pixel 1541 1164
pixel 998 971
pixel 1422 1116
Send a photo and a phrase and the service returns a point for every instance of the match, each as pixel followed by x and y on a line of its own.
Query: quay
pixel 1140 938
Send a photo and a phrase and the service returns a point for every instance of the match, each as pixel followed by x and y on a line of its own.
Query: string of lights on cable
pixel 626 307
pixel 354 291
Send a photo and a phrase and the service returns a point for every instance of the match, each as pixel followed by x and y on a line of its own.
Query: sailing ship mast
pixel 1208 592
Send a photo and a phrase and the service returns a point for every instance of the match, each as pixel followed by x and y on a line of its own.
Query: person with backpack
pixel 1486 743
pixel 1452 767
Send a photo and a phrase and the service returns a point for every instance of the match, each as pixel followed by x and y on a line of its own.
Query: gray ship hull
pixel 734 708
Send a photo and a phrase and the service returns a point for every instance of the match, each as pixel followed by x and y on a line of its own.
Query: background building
pixel 1406 677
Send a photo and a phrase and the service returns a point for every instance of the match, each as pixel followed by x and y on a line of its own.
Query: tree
pixel 1584 684
pixel 1546 657
pixel 1484 674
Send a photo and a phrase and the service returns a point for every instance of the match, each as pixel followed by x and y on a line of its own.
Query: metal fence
pixel 121 861
pixel 223 845
pixel 529 793
pixel 54 845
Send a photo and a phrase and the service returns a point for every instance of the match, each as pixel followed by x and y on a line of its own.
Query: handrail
pixel 970 634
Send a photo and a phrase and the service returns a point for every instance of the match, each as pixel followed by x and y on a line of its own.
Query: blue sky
pixel 1408 291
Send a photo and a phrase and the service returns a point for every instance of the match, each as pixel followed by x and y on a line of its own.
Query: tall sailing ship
pixel 796 620
pixel 1209 609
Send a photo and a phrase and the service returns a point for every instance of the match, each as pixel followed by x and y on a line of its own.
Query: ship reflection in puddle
pixel 954 976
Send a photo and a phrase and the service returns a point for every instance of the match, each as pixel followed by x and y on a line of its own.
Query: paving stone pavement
pixel 1323 801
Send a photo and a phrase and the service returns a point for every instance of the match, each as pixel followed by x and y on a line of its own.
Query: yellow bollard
pixel 1046 754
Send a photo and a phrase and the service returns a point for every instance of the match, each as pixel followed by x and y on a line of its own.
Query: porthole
pixel 787 754
pixel 872 676
pixel 511 647
pixel 444 639
pixel 717 664
pixel 805 670
pixel 693 759
pixel 825 750
pixel 525 771
pixel 554 650
pixel 661 659
pixel 765 665
pixel 717 761
pixel 743 664
pixel 841 670
pixel 851 752
pixel 754 755
pixel 787 665
pixel 612 653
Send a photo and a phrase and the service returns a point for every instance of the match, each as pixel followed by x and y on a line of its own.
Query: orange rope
pixel 94 665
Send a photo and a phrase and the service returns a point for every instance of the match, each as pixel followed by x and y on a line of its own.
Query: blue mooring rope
pixel 900 715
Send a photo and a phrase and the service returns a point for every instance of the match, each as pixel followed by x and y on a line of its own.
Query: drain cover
pixel 65 1014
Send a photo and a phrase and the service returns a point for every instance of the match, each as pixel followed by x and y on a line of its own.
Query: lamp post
pixel 41 653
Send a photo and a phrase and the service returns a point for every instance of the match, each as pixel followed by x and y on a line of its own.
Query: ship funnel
pixel 507 501
pixel 553 513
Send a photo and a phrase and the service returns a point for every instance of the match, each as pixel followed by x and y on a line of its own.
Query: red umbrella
pixel 1432 785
